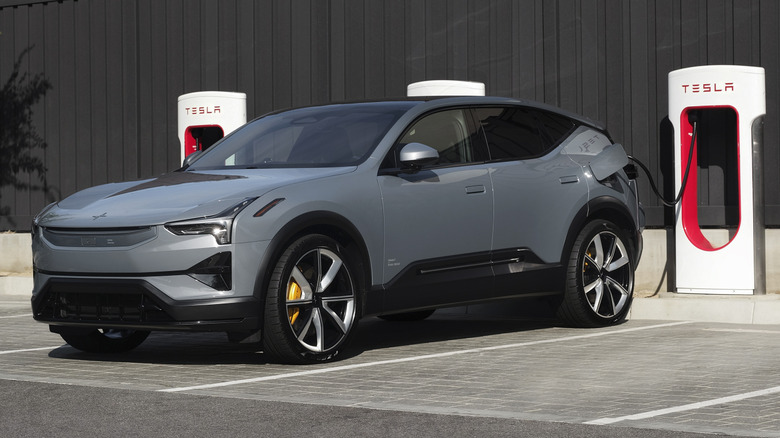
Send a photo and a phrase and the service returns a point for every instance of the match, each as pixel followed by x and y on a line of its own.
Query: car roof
pixel 435 102
pixel 496 100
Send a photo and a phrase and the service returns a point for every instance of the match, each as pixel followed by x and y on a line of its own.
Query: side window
pixel 519 133
pixel 449 133
pixel 555 126
pixel 511 133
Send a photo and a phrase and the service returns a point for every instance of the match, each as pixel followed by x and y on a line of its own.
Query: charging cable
pixel 693 119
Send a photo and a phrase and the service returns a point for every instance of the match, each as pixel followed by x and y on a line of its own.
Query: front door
pixel 438 220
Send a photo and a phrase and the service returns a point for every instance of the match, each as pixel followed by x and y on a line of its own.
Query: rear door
pixel 537 192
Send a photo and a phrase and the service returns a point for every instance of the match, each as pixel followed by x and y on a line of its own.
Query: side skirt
pixel 463 280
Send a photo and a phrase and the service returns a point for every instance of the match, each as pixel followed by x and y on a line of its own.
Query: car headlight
pixel 220 225
pixel 39 216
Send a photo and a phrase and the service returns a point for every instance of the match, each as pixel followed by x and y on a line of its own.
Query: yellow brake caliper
pixel 586 264
pixel 293 293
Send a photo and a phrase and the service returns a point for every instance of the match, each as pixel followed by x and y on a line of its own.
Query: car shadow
pixel 456 323
pixel 468 322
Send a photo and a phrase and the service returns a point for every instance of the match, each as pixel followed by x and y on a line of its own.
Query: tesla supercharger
pixel 207 116
pixel 726 103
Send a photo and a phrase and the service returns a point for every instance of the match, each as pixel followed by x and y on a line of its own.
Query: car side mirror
pixel 191 157
pixel 416 155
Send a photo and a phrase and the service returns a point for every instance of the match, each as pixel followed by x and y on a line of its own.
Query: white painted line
pixel 30 349
pixel 773 332
pixel 688 407
pixel 29 315
pixel 415 358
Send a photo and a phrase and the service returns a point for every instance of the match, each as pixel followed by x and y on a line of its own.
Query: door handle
pixel 570 179
pixel 472 190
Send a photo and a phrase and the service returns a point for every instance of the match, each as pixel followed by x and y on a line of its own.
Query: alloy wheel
pixel 607 277
pixel 320 300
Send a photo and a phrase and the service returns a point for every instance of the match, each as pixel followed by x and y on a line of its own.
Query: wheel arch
pixel 327 223
pixel 606 208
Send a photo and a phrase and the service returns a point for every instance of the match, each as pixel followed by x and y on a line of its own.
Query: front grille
pixel 98 237
pixel 129 304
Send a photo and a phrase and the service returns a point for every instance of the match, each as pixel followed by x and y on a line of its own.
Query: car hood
pixel 171 197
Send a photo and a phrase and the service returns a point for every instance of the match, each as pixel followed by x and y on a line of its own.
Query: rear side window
pixel 518 133
pixel 555 126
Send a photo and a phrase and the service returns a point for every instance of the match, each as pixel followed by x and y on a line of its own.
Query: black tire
pixel 408 316
pixel 599 277
pixel 105 340
pixel 312 304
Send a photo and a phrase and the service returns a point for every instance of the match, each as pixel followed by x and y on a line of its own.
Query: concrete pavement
pixel 473 362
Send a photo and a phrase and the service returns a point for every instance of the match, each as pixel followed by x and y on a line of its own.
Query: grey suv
pixel 303 221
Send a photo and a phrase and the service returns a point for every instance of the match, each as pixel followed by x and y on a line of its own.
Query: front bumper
pixel 137 304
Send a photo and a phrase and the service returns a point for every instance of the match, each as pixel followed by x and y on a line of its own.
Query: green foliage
pixel 18 138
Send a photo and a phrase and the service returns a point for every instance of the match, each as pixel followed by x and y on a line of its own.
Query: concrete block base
pixel 16 285
pixel 757 309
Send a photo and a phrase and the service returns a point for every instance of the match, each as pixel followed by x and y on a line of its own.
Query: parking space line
pixel 29 349
pixel 29 315
pixel 416 358
pixel 729 330
pixel 688 407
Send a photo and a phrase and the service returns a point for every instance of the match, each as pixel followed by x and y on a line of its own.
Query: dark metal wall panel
pixel 117 69
pixel 374 18
pixel 71 113
pixel 263 68
pixel 79 34
pixel 174 73
pixel 354 50
pixel 130 86
pixel 301 47
pixel 394 45
pixel 98 89
pixel 245 35
pixel 51 112
pixel 320 53
pixel 769 58
pixel 7 57
pixel 37 63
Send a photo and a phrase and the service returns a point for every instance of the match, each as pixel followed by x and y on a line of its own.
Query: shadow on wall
pixel 19 141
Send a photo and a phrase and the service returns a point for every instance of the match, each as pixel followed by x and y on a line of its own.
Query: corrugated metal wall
pixel 118 67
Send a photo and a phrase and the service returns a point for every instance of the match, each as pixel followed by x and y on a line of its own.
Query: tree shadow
pixel 19 139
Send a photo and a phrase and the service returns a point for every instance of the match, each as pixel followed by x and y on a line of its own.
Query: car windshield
pixel 322 136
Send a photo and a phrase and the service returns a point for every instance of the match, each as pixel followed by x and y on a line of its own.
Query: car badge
pixel 94 218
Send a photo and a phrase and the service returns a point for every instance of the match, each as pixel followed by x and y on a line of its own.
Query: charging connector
pixel 693 119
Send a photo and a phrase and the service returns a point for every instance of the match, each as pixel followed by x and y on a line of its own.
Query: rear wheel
pixel 312 306
pixel 599 277
pixel 105 340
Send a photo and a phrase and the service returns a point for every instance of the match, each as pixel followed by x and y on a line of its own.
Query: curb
pixel 753 309
pixel 16 286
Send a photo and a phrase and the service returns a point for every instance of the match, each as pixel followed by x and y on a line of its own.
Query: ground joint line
pixel 688 407
pixel 416 358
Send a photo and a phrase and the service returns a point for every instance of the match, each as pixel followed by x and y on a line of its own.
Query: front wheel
pixel 311 306
pixel 599 277
pixel 105 340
